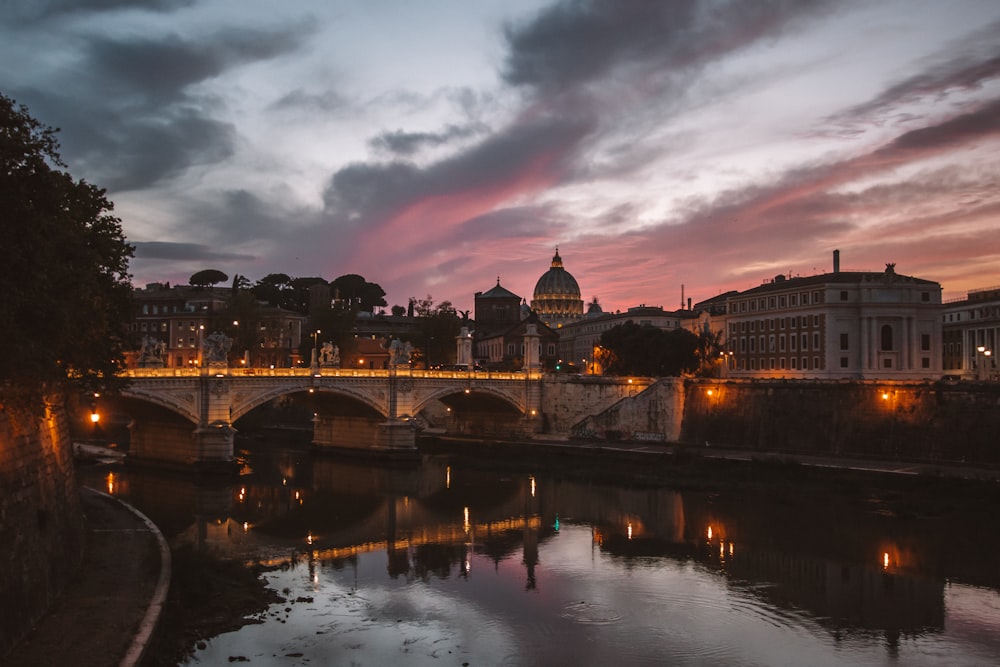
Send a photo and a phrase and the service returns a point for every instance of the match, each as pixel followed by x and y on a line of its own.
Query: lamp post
pixel 982 366
pixel 314 364
pixel 201 352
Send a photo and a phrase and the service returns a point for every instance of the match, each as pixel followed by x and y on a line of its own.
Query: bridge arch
pixel 514 401
pixel 251 401
pixel 181 404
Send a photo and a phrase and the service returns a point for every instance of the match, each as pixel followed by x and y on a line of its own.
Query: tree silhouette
pixel 66 292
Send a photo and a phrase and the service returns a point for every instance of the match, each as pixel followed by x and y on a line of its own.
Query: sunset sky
pixel 433 146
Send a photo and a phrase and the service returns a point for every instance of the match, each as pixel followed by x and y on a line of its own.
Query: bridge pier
pixel 209 446
pixel 364 435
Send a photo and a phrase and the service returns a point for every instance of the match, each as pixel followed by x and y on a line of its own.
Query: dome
pixel 557 282
pixel 557 295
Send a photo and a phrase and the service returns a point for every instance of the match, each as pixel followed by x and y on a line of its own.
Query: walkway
pixel 651 450
pixel 107 613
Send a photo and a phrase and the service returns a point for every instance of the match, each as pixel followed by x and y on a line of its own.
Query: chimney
pixel 682 296
pixel 836 261
pixel 689 303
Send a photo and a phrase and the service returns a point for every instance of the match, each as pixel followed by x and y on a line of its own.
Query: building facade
pixel 970 330
pixel 839 325
pixel 172 323
pixel 501 322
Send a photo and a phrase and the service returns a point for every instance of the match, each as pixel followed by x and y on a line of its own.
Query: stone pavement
pixel 107 614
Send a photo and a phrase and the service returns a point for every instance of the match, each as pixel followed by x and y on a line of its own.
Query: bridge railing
pixel 331 372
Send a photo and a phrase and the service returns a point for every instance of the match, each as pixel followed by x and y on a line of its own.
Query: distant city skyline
pixel 431 147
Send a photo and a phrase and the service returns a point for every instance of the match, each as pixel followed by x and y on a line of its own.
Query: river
pixel 457 560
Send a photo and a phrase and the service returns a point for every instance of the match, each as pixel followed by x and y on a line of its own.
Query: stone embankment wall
pixel 41 520
pixel 569 400
pixel 916 421
pixel 653 415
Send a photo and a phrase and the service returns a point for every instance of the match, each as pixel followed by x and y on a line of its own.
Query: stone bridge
pixel 381 413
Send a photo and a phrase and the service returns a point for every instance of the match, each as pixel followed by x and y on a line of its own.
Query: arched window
pixel 886 337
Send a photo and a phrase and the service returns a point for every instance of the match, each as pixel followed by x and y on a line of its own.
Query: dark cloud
pixel 408 143
pixel 576 41
pixel 233 216
pixel 183 251
pixel 964 128
pixel 161 68
pixel 40 10
pixel 151 150
pixel 966 66
pixel 299 99
pixel 537 150
pixel 128 115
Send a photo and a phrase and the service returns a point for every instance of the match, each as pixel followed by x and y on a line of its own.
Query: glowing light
pixel 246 526
pixel 730 548
pixel 630 530
pixel 532 480
pixel 94 417
pixel 885 560
pixel 722 550
pixel 709 532
pixel 465 522
pixel 710 392
pixel 309 538
pixel 885 396
pixel 468 391
pixel 447 477
pixel 110 479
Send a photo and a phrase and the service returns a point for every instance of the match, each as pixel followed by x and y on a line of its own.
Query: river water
pixel 457 561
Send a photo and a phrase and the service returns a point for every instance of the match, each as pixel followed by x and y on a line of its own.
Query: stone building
pixel 501 322
pixel 171 324
pixel 838 325
pixel 970 330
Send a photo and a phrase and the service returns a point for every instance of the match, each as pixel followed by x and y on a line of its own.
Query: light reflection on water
pixel 449 565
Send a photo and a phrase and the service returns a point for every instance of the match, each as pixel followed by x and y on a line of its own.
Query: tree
pixel 67 296
pixel 398 311
pixel 271 287
pixel 631 349
pixel 207 278
pixel 436 329
pixel 355 293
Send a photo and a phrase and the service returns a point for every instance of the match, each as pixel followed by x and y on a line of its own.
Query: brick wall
pixel 41 520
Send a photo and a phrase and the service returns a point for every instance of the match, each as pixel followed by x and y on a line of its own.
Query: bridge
pixel 186 415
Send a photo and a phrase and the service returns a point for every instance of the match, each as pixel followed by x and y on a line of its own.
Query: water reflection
pixel 777 576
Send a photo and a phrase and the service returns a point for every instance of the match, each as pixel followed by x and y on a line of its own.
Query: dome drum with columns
pixel 557 295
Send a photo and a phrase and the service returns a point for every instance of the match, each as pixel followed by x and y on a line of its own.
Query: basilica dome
pixel 557 295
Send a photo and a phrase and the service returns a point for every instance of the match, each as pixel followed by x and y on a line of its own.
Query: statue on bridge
pixel 152 353
pixel 215 348
pixel 329 355
pixel 399 353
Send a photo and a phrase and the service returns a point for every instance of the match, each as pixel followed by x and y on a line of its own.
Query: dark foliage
pixel 207 278
pixel 66 292
pixel 632 349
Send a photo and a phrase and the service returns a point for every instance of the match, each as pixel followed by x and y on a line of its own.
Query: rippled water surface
pixel 452 564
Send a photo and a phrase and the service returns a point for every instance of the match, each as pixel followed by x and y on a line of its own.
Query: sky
pixel 435 146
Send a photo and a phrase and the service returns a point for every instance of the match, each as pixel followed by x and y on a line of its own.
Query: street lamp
pixel 981 372
pixel 315 351
pixel 201 359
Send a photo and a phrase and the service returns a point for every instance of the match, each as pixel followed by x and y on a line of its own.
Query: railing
pixel 330 373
